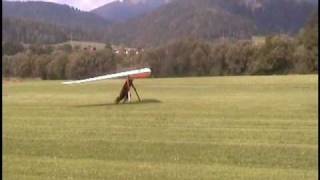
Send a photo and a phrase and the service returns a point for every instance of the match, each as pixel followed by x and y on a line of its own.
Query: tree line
pixel 279 55
pixel 64 62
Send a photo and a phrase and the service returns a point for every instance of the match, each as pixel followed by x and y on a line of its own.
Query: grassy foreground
pixel 186 128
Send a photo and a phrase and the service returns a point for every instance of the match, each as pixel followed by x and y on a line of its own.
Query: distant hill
pixel 65 20
pixel 281 16
pixel 121 11
pixel 310 1
pixel 212 19
pixel 30 31
pixel 27 31
pixel 54 14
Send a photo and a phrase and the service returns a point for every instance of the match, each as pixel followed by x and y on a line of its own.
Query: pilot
pixel 125 93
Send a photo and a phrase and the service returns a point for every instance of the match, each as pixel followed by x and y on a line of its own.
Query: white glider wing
pixel 138 73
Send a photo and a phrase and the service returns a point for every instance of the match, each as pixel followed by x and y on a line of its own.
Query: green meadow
pixel 223 128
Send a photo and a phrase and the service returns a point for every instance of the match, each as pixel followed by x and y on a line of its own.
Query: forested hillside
pixel 212 19
pixel 44 22
pixel 27 31
pixel 30 32
pixel 121 11
pixel 54 14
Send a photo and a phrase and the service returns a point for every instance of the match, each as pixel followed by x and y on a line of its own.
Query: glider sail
pixel 138 73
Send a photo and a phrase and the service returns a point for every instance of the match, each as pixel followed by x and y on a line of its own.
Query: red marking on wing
pixel 141 75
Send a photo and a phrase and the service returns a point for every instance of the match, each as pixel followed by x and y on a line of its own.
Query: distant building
pixel 90 48
pixel 127 51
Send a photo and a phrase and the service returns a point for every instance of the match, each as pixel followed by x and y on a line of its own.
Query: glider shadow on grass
pixel 143 101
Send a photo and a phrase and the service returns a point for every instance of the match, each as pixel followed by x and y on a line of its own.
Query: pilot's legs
pixel 118 99
pixel 125 99
pixel 121 97
pixel 129 96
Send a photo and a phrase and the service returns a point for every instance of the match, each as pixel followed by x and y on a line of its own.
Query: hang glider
pixel 134 74
pixel 125 94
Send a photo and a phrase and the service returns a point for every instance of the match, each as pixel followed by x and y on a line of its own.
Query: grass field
pixel 186 128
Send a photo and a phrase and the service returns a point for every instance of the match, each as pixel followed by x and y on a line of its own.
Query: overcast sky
pixel 85 5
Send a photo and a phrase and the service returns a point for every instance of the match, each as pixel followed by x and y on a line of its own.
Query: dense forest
pixel 280 54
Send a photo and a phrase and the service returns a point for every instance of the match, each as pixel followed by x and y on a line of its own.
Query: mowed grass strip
pixel 250 127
